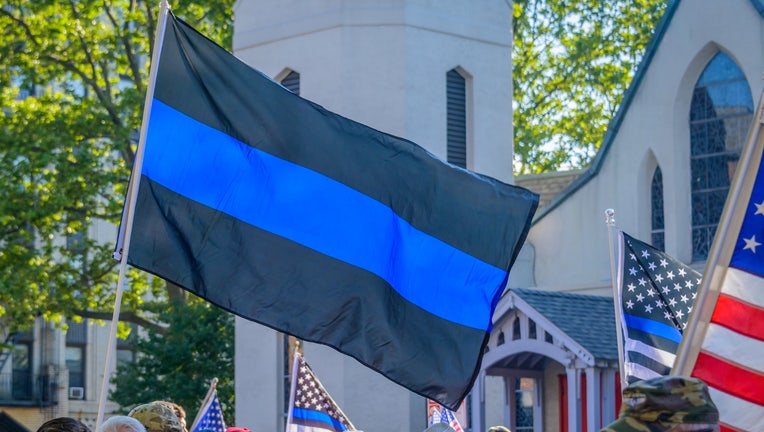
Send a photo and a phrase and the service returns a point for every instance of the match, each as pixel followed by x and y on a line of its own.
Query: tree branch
pixel 128 316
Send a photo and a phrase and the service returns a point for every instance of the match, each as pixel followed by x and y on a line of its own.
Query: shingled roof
pixel 589 320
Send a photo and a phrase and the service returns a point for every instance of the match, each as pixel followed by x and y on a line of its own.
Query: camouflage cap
pixel 156 418
pixel 664 404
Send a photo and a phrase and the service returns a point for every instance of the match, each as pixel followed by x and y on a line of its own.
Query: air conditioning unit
pixel 76 393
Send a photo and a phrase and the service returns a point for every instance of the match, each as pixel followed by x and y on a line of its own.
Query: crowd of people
pixel 164 416
pixel 157 416
pixel 669 403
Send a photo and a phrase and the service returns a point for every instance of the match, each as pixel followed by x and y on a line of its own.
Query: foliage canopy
pixel 177 364
pixel 572 61
pixel 73 77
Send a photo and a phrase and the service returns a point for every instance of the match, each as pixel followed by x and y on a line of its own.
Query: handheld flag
pixel 437 413
pixel 656 297
pixel 286 214
pixel 724 342
pixel 210 416
pixel 311 409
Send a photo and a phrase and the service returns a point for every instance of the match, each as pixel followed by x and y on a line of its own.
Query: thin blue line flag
pixel 656 299
pixel 289 215
pixel 311 408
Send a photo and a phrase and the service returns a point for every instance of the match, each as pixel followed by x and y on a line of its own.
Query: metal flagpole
pixel 610 222
pixel 293 384
pixel 205 403
pixel 124 241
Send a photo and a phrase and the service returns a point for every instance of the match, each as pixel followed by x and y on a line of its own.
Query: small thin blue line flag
pixel 311 408
pixel 286 214
pixel 656 294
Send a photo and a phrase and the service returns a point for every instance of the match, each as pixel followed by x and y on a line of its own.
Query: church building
pixel 439 74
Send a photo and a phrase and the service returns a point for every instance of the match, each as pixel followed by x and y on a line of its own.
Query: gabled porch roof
pixel 531 326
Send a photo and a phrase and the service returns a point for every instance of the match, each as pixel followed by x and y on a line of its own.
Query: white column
pixel 574 400
pixel 478 403
pixel 259 375
pixel 510 384
pixel 593 399
pixel 609 410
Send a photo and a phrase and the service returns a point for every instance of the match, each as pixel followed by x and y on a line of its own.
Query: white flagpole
pixel 129 205
pixel 293 385
pixel 610 222
pixel 719 256
pixel 205 403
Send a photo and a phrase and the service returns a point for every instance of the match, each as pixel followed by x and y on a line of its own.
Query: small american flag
pixel 447 416
pixel 656 298
pixel 210 417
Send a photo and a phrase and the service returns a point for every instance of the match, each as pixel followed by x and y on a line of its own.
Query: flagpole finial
pixel 610 216
pixel 214 382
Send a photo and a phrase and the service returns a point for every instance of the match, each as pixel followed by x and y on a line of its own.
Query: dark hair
pixel 180 413
pixel 63 424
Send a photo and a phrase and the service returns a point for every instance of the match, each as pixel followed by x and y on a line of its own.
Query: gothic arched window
pixel 720 116
pixel 658 239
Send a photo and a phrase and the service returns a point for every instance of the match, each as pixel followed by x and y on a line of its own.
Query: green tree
pixel 73 78
pixel 177 364
pixel 572 61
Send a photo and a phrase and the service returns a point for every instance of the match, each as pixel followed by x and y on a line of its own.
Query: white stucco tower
pixel 435 72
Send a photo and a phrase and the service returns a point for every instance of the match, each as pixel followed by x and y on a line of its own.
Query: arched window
pixel 292 82
pixel 720 116
pixel 656 198
pixel 456 118
pixel 516 329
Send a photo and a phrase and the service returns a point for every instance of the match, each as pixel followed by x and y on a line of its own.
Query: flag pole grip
pixel 610 222
pixel 123 240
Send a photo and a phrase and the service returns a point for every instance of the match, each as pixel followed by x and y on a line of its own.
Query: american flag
pixel 440 414
pixel 311 408
pixel 210 417
pixel 656 299
pixel 447 416
pixel 724 343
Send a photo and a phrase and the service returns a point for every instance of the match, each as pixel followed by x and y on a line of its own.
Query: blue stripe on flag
pixel 317 212
pixel 310 415
pixel 653 327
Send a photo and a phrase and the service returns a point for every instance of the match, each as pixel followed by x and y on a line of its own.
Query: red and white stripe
pixel 731 358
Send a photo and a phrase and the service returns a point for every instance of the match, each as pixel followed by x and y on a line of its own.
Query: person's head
pixel 156 418
pixel 666 404
pixel 498 429
pixel 63 424
pixel 177 409
pixel 121 423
